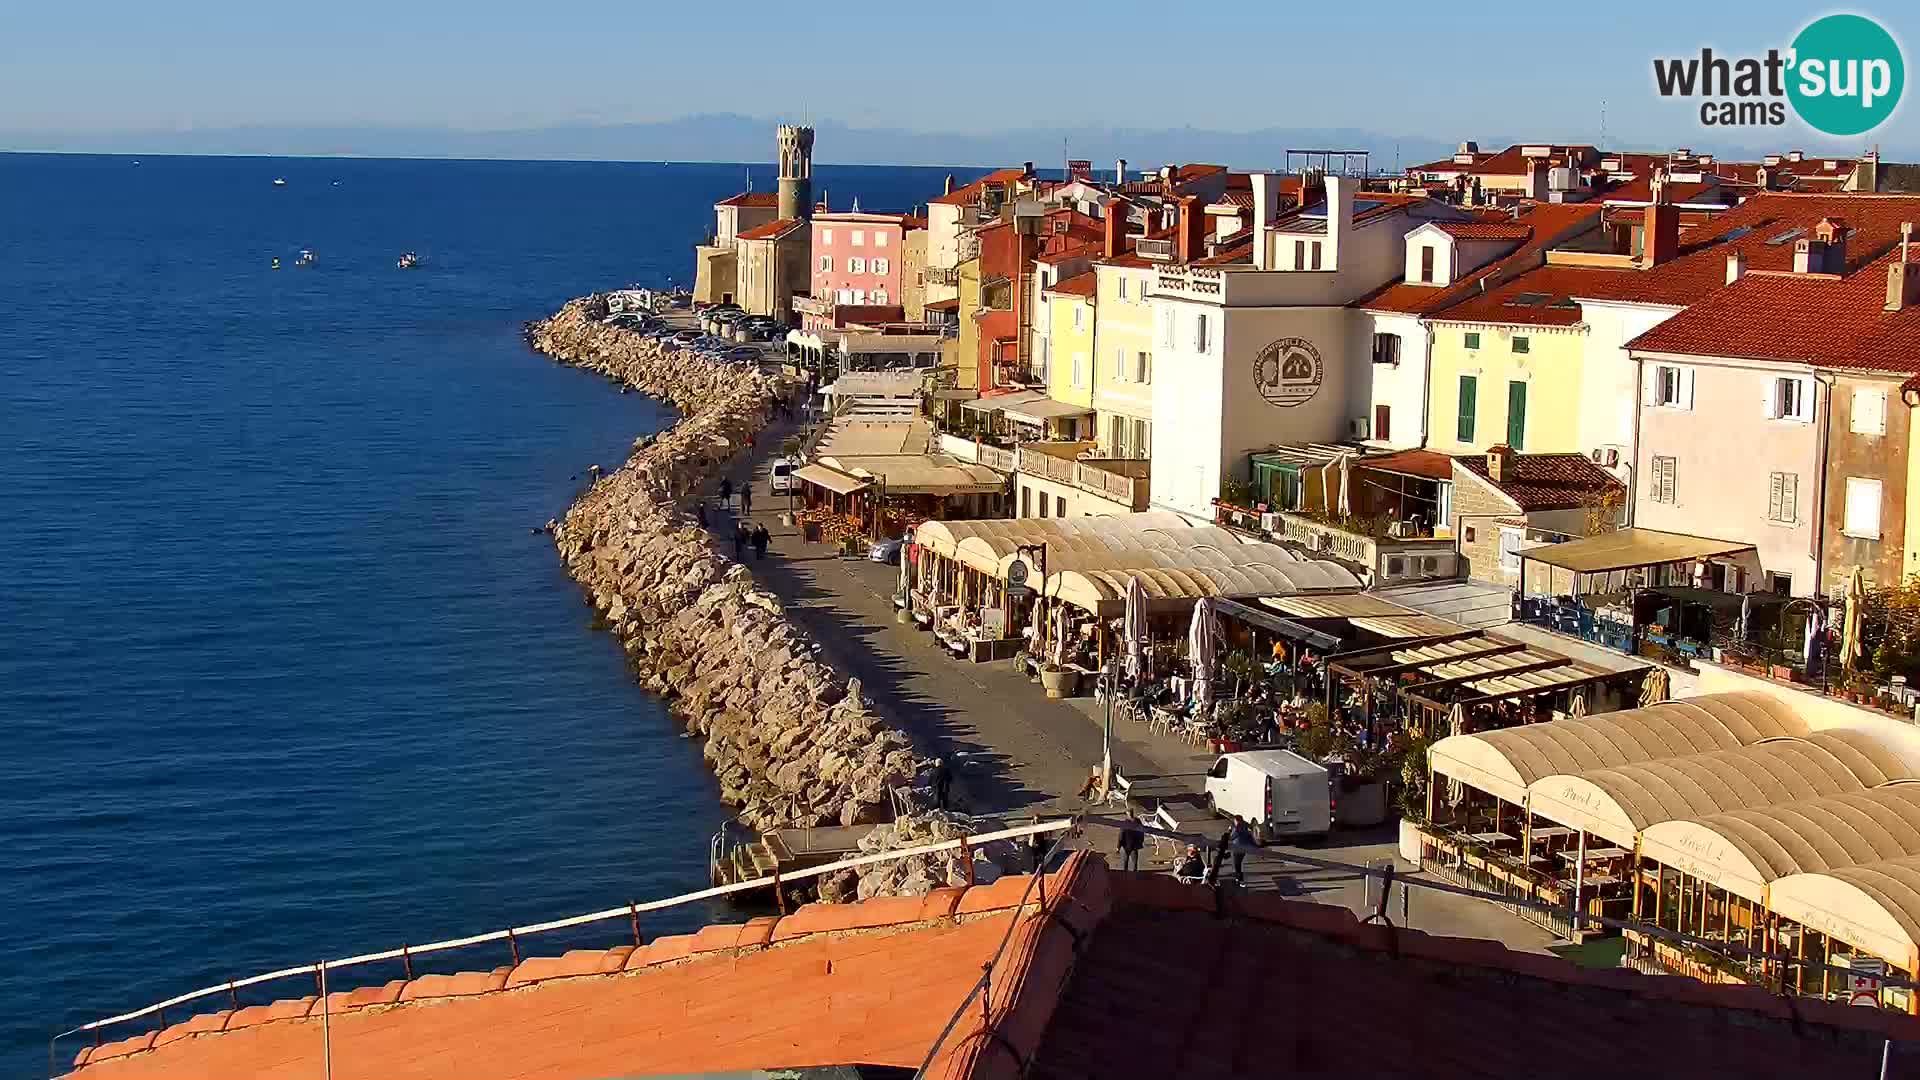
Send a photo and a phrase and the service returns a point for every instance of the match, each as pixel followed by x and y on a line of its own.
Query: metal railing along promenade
pixel 320 970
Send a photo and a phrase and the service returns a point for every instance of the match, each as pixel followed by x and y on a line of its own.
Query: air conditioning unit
pixel 1613 458
pixel 1597 455
pixel 1270 522
pixel 1360 427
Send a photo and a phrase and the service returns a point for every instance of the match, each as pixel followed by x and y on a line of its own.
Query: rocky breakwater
pixel 792 741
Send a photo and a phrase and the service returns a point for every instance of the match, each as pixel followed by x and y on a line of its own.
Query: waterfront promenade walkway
pixel 1017 753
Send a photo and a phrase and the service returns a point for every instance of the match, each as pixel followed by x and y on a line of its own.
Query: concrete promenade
pixel 1017 753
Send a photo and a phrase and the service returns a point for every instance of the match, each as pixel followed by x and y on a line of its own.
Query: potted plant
pixel 1059 682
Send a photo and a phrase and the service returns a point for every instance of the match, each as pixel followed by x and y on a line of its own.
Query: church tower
pixel 796 171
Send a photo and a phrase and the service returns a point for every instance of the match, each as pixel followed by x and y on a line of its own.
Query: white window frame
pixel 1079 369
pixel 826 264
pixel 859 239
pixel 1863 503
pixel 1143 366
pixel 1166 329
pixel 1663 477
pixel 880 266
pixel 1121 284
pixel 1671 387
pixel 1512 539
pixel 1799 409
pixel 856 265
pixel 880 297
pixel 1783 498
pixel 1200 336
pixel 1079 316
pixel 1872 420
pixel 879 238
pixel 826 236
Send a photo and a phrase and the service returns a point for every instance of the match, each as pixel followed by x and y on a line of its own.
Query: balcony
pixel 942 275
pixel 1123 481
pixel 1035 462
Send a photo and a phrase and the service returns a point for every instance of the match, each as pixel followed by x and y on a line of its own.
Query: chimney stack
pixel 1026 168
pixel 1190 239
pixel 1500 463
pixel 1736 266
pixel 1903 280
pixel 1339 217
pixel 1115 239
pixel 1120 171
pixel 1660 234
pixel 1262 217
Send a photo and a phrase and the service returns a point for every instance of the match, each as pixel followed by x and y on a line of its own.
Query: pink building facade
pixel 857 257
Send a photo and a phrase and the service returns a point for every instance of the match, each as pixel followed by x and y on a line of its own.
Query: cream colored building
pixel 1123 364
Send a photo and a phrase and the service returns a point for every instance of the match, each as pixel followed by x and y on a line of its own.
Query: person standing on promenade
pixel 1132 839
pixel 1242 840
pixel 726 491
pixel 1219 855
pixel 740 537
pixel 746 497
pixel 760 539
pixel 942 782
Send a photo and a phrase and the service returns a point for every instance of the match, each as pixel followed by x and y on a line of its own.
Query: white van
pixel 1278 792
pixel 780 476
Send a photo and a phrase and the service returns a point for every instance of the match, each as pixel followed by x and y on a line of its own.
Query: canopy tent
pixel 1103 592
pixel 1628 548
pixel 1043 410
pixel 1406 626
pixel 1001 402
pixel 1618 802
pixel 919 474
pixel 1276 624
pixel 943 537
pixel 1503 763
pixel 1872 906
pixel 1747 852
pixel 1351 605
pixel 832 479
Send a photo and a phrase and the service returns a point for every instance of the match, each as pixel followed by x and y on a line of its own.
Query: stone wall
pixel 792 742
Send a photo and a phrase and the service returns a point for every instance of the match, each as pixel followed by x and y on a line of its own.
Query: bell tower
pixel 796 171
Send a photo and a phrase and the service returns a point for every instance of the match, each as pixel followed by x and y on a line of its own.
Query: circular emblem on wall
pixel 1288 372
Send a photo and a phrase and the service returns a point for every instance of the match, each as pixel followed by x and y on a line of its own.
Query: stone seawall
pixel 792 742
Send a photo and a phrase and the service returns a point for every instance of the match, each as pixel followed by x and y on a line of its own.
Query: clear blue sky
pixel 1448 70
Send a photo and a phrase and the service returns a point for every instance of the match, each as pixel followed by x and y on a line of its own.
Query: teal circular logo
pixel 1847 74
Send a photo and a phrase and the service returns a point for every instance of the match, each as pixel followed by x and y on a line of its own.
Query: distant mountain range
pixel 730 137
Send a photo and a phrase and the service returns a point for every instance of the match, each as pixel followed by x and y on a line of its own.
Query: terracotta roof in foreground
pixel 1546 481
pixel 1798 318
pixel 1543 224
pixel 1117 975
pixel 961 196
pixel 772 229
pixel 1080 284
pixel 764 200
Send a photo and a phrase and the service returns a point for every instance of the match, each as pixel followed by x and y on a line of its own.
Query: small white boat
pixel 306 258
pixel 279 181
pixel 276 262
pixel 408 261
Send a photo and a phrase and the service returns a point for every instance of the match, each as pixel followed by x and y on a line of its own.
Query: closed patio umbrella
pixel 1200 650
pixel 1578 707
pixel 1850 649
pixel 1135 627
pixel 1745 627
pixel 1654 688
pixel 1346 484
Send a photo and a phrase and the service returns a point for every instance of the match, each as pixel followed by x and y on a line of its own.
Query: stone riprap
pixel 791 740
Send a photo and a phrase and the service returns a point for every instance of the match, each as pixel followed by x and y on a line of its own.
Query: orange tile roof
pixel 1543 222
pixel 1512 162
pixel 1640 190
pixel 1546 481
pixel 1104 974
pixel 963 196
pixel 772 229
pixel 764 200
pixel 1080 284
pixel 1543 296
pixel 1486 230
pixel 1430 464
pixel 1800 319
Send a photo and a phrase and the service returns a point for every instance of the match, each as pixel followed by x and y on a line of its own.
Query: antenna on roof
pixel 1603 123
pixel 749 178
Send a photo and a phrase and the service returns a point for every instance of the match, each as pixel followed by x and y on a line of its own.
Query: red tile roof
pixel 772 229
pixel 1486 230
pixel 1512 162
pixel 1543 296
pixel 1545 222
pixel 1080 284
pixel 764 200
pixel 1546 481
pixel 1800 319
pixel 1427 463
pixel 1639 190
pixel 1104 974
pixel 963 196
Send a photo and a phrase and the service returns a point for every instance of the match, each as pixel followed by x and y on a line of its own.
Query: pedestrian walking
pixel 1219 855
pixel 1242 840
pixel 726 491
pixel 760 540
pixel 746 497
pixel 942 782
pixel 1132 839
pixel 700 512
pixel 740 538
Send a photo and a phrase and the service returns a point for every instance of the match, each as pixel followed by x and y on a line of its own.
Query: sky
pixel 1448 70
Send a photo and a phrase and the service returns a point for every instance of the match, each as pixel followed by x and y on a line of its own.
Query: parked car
pixel 660 330
pixel 1279 792
pixel 744 354
pixel 887 551
pixel 687 337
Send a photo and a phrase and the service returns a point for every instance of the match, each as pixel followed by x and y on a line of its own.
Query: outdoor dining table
pixel 1493 839
pixel 1550 832
pixel 1597 854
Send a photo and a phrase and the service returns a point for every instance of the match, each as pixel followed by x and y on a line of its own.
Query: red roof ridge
pixel 771 229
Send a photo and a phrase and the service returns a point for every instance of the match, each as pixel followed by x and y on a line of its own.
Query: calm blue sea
pixel 283 673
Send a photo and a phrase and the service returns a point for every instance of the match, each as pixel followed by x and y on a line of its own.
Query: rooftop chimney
pixel 1339 217
pixel 1736 266
pixel 1262 217
pixel 1796 155
pixel 1825 252
pixel 1903 276
pixel 1660 235
pixel 1120 171
pixel 1115 238
pixel 1500 463
pixel 1190 240
pixel 1026 168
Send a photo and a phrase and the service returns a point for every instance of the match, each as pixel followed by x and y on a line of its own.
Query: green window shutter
pixel 1469 402
pixel 1516 414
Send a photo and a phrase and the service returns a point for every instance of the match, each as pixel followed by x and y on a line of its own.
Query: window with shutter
pixel 1511 541
pixel 1783 497
pixel 1426 263
pixel 1142 438
pixel 1166 329
pixel 1863 509
pixel 1522 344
pixel 1469 404
pixel 1142 368
pixel 1516 414
pixel 1316 254
pixel 1473 340
pixel 1123 287
pixel 1382 415
pixel 1299 254
pixel 1660 479
pixel 1200 332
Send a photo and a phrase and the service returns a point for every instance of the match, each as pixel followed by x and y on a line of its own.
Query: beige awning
pixel 1336 607
pixel 832 479
pixel 1873 906
pixel 1503 763
pixel 920 474
pixel 1002 402
pixel 1045 409
pixel 1407 626
pixel 1103 592
pixel 1629 548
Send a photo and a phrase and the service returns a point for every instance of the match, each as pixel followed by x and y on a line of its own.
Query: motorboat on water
pixel 408 260
pixel 276 262
pixel 306 258
pixel 279 181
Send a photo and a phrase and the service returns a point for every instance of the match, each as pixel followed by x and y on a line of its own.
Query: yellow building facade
pixel 1498 383
pixel 1069 347
pixel 1123 359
